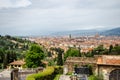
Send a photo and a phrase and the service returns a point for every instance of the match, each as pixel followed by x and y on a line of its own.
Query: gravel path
pixel 5 75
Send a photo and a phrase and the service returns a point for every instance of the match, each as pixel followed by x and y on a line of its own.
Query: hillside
pixel 115 31
pixel 11 48
pixel 112 32
pixel 12 43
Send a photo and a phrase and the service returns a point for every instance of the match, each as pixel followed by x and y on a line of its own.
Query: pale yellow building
pixel 17 64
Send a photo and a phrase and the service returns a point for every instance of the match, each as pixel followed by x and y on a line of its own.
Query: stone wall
pixel 102 65
pixel 79 61
pixel 104 70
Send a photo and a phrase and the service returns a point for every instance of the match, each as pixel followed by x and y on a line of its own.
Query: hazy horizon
pixel 42 17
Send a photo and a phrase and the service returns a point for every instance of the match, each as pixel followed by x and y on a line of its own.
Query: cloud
pixel 14 3
pixel 57 15
pixel 77 4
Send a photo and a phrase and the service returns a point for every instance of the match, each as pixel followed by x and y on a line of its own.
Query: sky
pixel 40 17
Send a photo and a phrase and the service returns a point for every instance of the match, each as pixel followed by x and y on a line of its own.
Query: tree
pixel 59 52
pixel 89 54
pixel 99 50
pixel 79 51
pixel 8 57
pixel 110 48
pixel 59 59
pixel 1 55
pixel 116 50
pixel 34 56
pixel 71 52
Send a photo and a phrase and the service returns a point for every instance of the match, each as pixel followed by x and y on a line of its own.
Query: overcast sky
pixel 38 17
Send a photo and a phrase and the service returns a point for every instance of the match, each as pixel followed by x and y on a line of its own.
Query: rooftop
pixel 109 60
pixel 20 62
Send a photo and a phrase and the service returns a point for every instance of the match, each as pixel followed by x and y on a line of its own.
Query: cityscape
pixel 59 40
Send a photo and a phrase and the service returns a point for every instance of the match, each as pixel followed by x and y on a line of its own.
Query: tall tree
pixel 110 48
pixel 59 52
pixel 34 56
pixel 99 50
pixel 59 59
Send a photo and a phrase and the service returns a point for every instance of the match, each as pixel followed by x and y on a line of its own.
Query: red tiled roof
pixel 113 61
pixel 20 62
pixel 109 60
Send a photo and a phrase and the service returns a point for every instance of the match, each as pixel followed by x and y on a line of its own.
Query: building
pixel 106 66
pixel 109 66
pixel 17 64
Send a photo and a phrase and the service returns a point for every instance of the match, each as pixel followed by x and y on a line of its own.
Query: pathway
pixel 5 75
pixel 64 77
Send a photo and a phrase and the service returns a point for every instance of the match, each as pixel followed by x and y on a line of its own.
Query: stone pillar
pixel 65 69
pixel 14 74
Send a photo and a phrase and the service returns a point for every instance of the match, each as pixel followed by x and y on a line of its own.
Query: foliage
pixel 89 54
pixel 51 62
pixel 12 48
pixel 34 56
pixel 57 77
pixel 110 48
pixel 59 59
pixel 116 50
pixel 59 52
pixel 89 66
pixel 76 65
pixel 99 50
pixel 93 77
pixel 48 74
pixel 69 73
pixel 71 52
pixel 58 69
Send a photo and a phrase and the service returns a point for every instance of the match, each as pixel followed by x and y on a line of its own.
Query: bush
pixel 93 77
pixel 69 73
pixel 45 75
pixel 48 74
pixel 57 77
pixel 58 70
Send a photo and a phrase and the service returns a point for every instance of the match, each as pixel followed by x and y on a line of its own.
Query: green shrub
pixel 58 70
pixel 57 77
pixel 48 74
pixel 69 73
pixel 93 77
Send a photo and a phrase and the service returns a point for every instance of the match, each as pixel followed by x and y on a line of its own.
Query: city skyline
pixel 39 17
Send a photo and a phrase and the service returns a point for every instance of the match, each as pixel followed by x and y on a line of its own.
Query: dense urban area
pixel 60 58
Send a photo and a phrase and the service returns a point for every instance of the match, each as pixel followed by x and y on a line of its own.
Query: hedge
pixel 48 74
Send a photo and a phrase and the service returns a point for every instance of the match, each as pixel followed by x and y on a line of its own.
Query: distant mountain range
pixel 115 31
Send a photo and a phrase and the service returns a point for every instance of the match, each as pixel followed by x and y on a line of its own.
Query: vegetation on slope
pixel 12 48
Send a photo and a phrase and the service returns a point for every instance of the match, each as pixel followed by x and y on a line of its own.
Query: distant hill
pixel 112 32
pixel 76 33
pixel 13 43
pixel 115 31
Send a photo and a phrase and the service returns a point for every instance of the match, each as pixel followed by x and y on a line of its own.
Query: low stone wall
pixel 102 65
pixel 79 61
pixel 14 74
